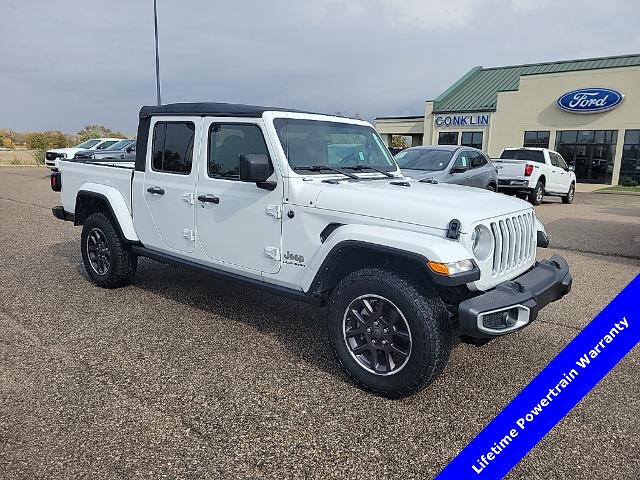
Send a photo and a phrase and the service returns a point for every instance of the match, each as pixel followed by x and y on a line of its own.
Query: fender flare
pixel 415 246
pixel 115 203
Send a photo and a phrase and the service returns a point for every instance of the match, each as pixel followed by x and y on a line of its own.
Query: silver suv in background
pixel 122 150
pixel 449 164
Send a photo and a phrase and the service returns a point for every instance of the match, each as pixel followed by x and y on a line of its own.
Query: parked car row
pixel 95 148
pixel 528 172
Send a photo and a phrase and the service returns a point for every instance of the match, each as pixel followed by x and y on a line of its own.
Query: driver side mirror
pixel 458 169
pixel 256 167
pixel 129 149
pixel 571 168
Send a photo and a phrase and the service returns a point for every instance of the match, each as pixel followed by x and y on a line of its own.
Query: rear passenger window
pixel 172 150
pixel 477 159
pixel 227 142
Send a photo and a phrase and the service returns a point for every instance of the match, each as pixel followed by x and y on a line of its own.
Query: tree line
pixel 41 141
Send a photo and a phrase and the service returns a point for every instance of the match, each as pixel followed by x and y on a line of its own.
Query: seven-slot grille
pixel 514 240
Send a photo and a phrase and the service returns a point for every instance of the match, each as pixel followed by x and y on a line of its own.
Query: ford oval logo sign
pixel 590 100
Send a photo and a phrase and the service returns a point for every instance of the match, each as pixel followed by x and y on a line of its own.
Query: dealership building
pixel 587 110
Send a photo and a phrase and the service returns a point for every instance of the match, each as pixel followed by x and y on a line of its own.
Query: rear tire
pixel 109 261
pixel 393 318
pixel 537 194
pixel 568 198
pixel 491 187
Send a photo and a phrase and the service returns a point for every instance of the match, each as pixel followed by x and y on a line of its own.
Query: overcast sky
pixel 66 64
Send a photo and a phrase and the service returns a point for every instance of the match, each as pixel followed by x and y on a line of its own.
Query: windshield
pixel 106 144
pixel 87 144
pixel 338 145
pixel 430 160
pixel 120 145
pixel 530 155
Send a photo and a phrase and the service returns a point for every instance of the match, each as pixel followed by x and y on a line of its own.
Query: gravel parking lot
pixel 184 376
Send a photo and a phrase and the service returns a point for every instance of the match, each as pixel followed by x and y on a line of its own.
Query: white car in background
pixel 52 157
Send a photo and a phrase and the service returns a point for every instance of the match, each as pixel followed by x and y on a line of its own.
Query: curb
pixel 618 192
pixel 18 166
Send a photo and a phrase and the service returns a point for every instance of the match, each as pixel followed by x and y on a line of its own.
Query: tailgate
pixel 511 169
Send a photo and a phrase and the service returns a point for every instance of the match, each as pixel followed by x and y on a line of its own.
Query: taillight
pixel 528 170
pixel 56 181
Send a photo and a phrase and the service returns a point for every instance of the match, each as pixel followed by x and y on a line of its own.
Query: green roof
pixel 477 91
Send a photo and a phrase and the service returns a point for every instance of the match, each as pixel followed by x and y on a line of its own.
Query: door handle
pixel 468 177
pixel 209 199
pixel 156 190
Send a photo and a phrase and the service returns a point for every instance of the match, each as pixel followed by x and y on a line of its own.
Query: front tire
pixel 568 198
pixel 537 194
pixel 109 261
pixel 392 338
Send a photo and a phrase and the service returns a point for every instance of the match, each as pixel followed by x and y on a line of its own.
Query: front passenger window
pixel 227 142
pixel 462 161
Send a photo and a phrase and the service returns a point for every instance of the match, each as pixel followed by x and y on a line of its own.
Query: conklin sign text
pixel 461 120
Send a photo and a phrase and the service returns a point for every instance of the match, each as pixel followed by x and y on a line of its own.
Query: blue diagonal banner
pixel 553 393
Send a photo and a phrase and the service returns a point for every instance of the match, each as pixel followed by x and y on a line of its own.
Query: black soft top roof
pixel 212 109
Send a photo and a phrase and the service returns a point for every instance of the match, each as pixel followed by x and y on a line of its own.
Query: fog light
pixel 500 320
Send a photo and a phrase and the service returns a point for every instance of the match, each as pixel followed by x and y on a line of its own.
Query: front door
pixel 238 223
pixel 169 185
pixel 461 160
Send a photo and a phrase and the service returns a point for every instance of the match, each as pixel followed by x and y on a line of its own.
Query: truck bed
pixel 76 174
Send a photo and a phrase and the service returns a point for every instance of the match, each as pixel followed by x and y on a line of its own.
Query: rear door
pixel 564 180
pixel 238 223
pixel 167 220
pixel 555 182
pixel 479 172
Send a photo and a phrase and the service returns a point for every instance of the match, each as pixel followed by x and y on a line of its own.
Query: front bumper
pixel 514 304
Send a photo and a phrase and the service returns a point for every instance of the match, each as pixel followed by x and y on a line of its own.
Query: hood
pixel 68 150
pixel 425 204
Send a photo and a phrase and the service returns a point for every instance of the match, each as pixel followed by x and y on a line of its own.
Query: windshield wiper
pixel 320 168
pixel 428 180
pixel 375 169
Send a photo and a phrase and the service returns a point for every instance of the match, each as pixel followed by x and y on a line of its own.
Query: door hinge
pixel 188 197
pixel 188 234
pixel 272 252
pixel 274 211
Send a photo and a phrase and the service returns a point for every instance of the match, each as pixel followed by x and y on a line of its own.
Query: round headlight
pixel 481 242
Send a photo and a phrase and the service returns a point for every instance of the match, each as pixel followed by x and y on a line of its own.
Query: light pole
pixel 155 20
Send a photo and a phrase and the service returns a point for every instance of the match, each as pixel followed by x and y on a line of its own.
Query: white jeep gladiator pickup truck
pixel 314 207
pixel 535 172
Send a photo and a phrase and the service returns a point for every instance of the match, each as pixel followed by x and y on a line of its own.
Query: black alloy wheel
pixel 377 334
pixel 98 251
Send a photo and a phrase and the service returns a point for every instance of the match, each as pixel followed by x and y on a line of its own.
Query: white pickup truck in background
pixel 535 172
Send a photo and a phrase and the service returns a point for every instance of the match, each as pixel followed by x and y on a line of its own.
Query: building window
pixel 630 166
pixel 536 138
pixel 472 139
pixel 172 150
pixel 591 152
pixel 448 138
